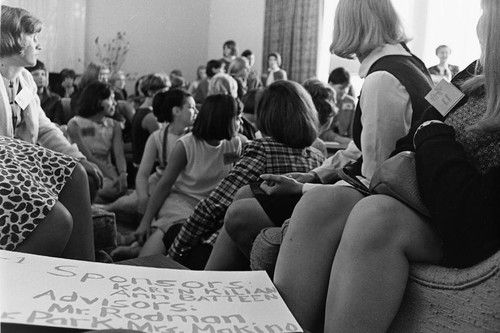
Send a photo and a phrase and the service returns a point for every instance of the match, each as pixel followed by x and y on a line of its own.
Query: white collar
pixel 379 52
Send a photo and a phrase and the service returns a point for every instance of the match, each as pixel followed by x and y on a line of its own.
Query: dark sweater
pixel 464 203
pixel 459 179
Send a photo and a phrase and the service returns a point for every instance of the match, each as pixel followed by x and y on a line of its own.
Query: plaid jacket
pixel 259 156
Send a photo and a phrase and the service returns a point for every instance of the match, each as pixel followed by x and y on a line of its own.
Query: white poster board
pixel 44 291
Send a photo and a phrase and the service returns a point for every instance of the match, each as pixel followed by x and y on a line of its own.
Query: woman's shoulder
pixel 379 81
pixel 188 138
pixel 110 122
pixel 348 99
pixel 79 120
pixel 320 146
pixel 235 142
pixel 140 113
pixel 262 142
pixel 269 145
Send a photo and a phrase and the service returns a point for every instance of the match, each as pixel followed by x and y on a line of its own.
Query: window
pixel 429 23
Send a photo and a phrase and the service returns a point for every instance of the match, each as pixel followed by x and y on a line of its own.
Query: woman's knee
pixel 235 218
pixel 79 175
pixel 243 193
pixel 60 220
pixel 381 222
pixel 377 221
pixel 323 204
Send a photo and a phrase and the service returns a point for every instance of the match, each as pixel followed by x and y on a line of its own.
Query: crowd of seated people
pixel 204 167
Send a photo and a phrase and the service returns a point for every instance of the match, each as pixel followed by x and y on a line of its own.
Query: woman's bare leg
pixel 154 244
pixel 306 255
pixel 75 198
pixel 244 219
pixel 370 270
pixel 226 256
pixel 51 235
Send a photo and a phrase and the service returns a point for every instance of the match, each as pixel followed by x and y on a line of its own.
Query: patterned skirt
pixel 31 178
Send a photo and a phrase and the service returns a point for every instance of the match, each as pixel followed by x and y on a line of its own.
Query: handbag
pixel 397 178
pixel 349 175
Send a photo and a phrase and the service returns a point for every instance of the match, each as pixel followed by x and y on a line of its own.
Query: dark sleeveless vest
pixel 412 73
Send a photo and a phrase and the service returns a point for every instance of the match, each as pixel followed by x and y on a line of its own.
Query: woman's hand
pixel 280 185
pixel 142 232
pixel 301 177
pixel 93 172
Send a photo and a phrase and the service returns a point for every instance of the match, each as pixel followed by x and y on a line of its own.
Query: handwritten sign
pixel 44 291
pixel 444 96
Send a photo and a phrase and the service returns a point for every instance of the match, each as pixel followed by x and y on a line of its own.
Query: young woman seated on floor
pixel 288 121
pixel 198 162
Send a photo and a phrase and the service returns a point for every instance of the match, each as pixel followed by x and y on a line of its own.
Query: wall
pixel 163 34
pixel 239 20
pixel 172 34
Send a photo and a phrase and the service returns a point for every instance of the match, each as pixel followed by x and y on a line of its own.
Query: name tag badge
pixel 24 98
pixel 444 97
pixel 230 158
pixel 88 131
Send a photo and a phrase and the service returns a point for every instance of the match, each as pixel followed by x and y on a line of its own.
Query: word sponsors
pixel 44 291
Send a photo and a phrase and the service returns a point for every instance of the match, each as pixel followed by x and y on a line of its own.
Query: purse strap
pixel 164 153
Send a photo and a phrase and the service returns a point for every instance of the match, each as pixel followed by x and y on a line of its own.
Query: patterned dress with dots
pixel 31 178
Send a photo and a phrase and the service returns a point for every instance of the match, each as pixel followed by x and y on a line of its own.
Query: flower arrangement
pixel 113 53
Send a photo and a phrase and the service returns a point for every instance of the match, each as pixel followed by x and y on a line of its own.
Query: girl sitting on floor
pixel 287 118
pixel 167 108
pixel 99 138
pixel 198 161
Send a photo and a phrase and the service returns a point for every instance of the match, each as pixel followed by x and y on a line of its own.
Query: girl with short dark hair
pixel 99 137
pixel 287 118
pixel 198 161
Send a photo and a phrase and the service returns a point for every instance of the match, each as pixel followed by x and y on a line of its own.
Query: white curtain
pixel 63 31
pixel 428 23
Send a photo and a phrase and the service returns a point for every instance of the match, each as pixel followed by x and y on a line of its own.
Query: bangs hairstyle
pixel 14 23
pixel 165 101
pixel 154 83
pixel 286 113
pixel 66 72
pixel 92 96
pixel 323 97
pixel 360 26
pixel 215 121
pixel 490 76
